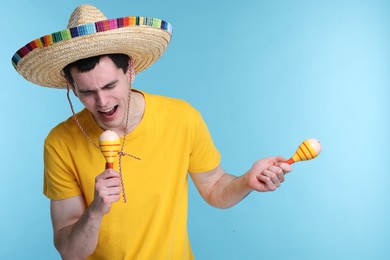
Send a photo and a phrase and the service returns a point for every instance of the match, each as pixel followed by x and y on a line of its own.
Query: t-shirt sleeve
pixel 59 182
pixel 204 156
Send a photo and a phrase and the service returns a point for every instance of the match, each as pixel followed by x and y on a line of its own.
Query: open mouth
pixel 109 112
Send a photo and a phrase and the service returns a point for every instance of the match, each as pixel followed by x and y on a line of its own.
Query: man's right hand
pixel 107 191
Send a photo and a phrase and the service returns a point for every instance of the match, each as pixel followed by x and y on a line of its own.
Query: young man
pixel 162 140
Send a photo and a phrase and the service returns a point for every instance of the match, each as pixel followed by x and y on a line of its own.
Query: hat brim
pixel 143 39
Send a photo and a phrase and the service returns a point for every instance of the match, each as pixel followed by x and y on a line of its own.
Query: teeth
pixel 106 110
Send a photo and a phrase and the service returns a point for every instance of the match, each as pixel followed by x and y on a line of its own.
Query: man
pixel 162 140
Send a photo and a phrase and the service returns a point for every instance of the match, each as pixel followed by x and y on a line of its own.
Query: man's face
pixel 104 92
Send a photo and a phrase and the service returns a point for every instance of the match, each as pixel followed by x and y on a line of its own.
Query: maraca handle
pixel 109 165
pixel 290 161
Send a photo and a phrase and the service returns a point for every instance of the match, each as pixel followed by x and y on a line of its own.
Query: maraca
pixel 109 143
pixel 309 149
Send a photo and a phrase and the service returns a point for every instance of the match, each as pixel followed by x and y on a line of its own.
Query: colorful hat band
pixel 87 29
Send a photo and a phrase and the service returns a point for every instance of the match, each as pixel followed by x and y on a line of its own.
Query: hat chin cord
pixel 120 153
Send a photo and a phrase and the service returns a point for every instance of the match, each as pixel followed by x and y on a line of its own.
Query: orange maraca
pixel 309 149
pixel 109 143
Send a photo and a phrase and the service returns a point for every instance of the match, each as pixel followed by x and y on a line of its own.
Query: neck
pixel 136 113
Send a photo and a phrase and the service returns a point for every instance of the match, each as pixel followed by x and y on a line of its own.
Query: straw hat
pixel 90 33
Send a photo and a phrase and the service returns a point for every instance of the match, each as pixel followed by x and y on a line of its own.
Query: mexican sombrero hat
pixel 90 33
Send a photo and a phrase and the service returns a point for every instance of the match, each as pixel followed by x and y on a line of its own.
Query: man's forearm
pixel 228 191
pixel 79 240
pixel 265 175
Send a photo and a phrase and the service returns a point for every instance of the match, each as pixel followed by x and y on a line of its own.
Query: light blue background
pixel 266 75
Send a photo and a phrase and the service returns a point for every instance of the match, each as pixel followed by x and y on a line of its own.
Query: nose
pixel 101 99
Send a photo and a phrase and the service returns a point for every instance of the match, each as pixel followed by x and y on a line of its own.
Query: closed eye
pixel 86 92
pixel 110 85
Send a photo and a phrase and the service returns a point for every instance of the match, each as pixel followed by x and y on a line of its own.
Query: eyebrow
pixel 108 85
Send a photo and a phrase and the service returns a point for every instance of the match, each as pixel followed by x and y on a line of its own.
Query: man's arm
pixel 76 227
pixel 223 190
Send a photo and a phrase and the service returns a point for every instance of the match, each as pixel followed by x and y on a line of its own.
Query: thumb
pixel 280 159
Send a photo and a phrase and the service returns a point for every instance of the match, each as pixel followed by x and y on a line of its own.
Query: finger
pixel 109 173
pixel 272 176
pixel 112 182
pixel 107 182
pixel 102 186
pixel 280 159
pixel 268 184
pixel 109 194
pixel 113 191
pixel 109 199
pixel 284 166
pixel 278 172
pixel 275 172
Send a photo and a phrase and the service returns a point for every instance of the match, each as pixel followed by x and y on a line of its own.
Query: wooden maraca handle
pixel 109 165
pixel 290 161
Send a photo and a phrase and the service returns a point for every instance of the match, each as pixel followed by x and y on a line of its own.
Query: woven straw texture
pixel 89 34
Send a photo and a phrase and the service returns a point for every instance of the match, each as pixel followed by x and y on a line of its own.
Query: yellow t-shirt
pixel 171 140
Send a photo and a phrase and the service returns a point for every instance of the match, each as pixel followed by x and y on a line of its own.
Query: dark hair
pixel 88 64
